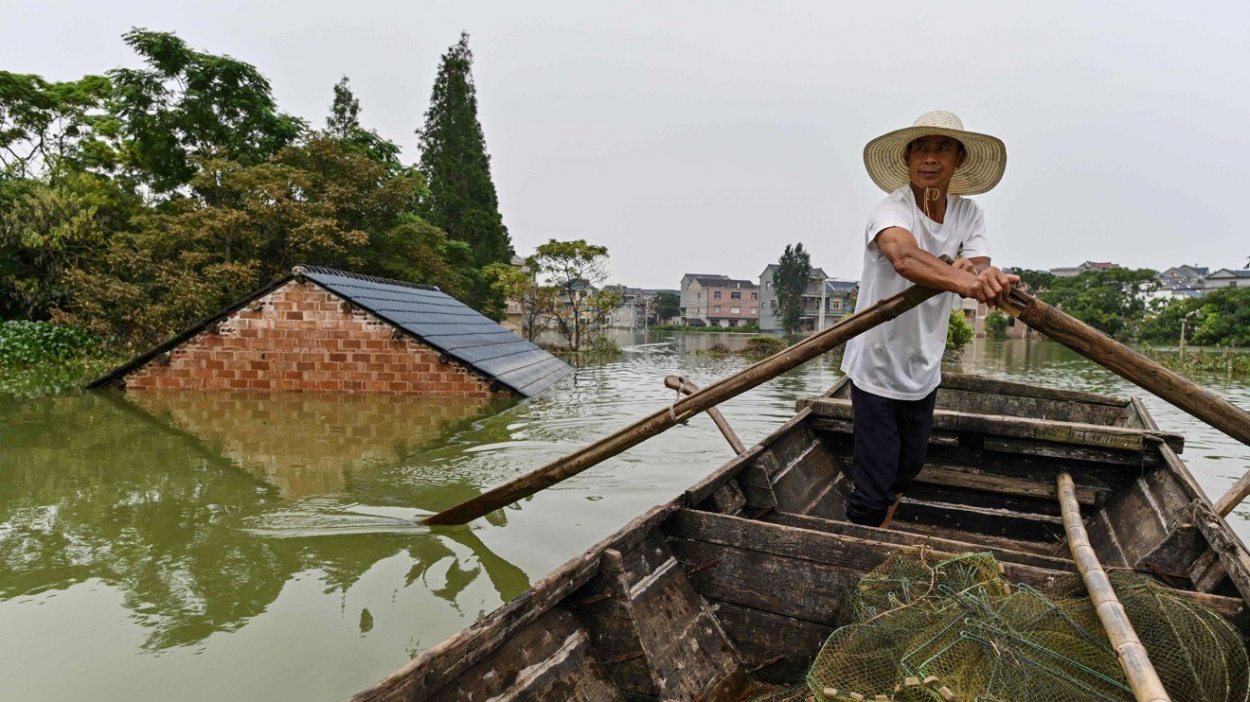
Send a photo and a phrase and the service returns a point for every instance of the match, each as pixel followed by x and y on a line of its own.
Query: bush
pixel 996 325
pixel 959 332
pixel 25 343
pixel 763 346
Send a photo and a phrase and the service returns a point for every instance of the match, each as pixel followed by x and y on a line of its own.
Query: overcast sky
pixel 704 136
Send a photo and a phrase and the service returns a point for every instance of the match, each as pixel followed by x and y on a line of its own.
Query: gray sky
pixel 704 136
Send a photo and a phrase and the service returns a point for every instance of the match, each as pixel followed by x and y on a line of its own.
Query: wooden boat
pixel 740 579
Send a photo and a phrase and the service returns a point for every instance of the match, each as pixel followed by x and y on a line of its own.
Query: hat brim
pixel 982 169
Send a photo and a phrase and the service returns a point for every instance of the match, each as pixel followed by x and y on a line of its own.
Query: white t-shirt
pixel 902 359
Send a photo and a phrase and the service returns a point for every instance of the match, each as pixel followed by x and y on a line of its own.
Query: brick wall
pixel 302 338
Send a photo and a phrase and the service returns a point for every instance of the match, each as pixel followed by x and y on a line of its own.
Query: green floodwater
pixel 260 547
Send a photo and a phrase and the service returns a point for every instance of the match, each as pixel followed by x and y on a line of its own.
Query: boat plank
pixel 763 636
pixel 1020 427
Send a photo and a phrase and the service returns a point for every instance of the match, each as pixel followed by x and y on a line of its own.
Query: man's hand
pixel 995 285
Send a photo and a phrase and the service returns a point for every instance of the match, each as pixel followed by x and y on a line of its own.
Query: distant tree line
pixel 1118 302
pixel 135 202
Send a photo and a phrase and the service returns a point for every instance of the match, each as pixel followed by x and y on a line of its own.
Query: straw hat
pixel 981 170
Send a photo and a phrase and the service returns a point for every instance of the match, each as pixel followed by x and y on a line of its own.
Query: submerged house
pixel 323 330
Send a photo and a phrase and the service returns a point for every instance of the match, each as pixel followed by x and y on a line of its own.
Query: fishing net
pixel 936 630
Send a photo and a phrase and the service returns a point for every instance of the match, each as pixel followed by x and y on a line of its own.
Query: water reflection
pixel 146 495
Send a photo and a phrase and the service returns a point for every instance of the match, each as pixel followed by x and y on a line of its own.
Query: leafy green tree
pixel 1035 281
pixel 573 268
pixel 1112 301
pixel 1220 318
pixel 959 332
pixel 48 229
pixel 534 303
pixel 790 282
pixel 188 106
pixel 996 325
pixel 46 126
pixel 667 306
pixel 462 199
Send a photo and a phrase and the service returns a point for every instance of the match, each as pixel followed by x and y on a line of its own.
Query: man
pixel 895 368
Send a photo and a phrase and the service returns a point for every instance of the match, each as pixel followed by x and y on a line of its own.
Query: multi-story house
pixel 694 305
pixel 770 319
pixel 1074 271
pixel 731 303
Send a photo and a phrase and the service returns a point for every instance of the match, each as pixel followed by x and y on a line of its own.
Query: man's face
pixel 932 160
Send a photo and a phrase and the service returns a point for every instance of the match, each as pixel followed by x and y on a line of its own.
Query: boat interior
pixel 739 581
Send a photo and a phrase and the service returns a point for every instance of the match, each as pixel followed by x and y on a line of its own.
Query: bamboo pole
pixel 710 396
pixel 681 384
pixel 1142 678
pixel 1129 364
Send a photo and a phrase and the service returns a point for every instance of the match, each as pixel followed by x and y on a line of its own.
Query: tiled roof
pixel 726 283
pixel 450 326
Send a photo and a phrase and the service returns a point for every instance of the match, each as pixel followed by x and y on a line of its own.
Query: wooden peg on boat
pixel 682 385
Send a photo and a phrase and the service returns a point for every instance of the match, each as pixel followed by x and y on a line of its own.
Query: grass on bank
pixel 41 358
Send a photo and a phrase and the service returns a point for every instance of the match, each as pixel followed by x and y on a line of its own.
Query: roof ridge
pixel 305 268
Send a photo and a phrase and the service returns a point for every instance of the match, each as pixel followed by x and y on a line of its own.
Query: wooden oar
pixel 708 397
pixel 1147 687
pixel 1129 364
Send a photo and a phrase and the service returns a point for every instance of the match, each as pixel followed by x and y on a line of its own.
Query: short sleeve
pixel 889 213
pixel 976 243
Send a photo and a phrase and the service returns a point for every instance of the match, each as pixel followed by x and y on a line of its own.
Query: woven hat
pixel 981 170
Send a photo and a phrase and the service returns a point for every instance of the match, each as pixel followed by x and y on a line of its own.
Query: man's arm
pixel 923 268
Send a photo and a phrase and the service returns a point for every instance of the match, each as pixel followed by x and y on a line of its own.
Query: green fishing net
pixel 935 630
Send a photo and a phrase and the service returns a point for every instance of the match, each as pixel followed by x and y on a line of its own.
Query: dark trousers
pixel 891 442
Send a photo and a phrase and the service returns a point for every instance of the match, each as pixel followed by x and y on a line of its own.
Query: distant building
pixel 1226 278
pixel 694 306
pixel 1074 271
pixel 730 303
pixel 770 319
pixel 840 298
pixel 631 311
pixel 514 313
pixel 1180 281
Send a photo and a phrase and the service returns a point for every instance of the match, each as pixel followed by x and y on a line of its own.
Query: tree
pixel 1220 318
pixel 46 126
pixel 1035 281
pixel 188 106
pixel 343 124
pixel 958 332
pixel 996 325
pixel 573 268
pixel 535 303
pixel 666 306
pixel 790 282
pixel 462 199
pixel 1112 300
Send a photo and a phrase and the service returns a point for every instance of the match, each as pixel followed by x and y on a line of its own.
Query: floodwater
pixel 261 547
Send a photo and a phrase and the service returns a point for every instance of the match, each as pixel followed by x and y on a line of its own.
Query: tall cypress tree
pixel 462 200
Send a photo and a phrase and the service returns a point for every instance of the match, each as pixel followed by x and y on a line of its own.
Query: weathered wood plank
pixel 995 386
pixel 954 475
pixel 977 402
pixel 1019 427
pixel 910 540
pixel 763 636
pixel 990 521
pixel 548 661
pixel 1071 452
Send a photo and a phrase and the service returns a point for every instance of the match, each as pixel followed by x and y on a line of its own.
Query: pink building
pixel 731 303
